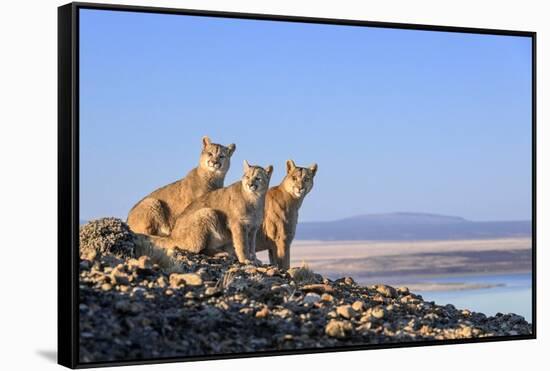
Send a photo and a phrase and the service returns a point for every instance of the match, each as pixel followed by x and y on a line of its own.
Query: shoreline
pixel 352 242
pixel 413 260
pixel 430 283
pixel 447 286
pixel 442 275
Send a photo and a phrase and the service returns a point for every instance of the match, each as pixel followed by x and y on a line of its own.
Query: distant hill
pixel 410 226
pixel 404 226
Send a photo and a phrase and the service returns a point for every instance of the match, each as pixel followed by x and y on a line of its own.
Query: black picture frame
pixel 68 179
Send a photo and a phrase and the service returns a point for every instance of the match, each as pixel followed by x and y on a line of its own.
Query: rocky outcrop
pixel 106 236
pixel 132 308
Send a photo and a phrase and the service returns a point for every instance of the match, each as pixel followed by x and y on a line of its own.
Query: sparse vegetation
pixel 303 275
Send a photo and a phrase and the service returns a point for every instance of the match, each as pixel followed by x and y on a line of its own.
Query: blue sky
pixel 398 120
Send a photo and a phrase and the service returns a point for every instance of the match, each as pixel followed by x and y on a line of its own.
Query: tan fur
pixel 227 216
pixel 155 214
pixel 167 263
pixel 281 213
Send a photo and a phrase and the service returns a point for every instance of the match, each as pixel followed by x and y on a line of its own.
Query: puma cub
pixel 155 214
pixel 224 217
pixel 281 213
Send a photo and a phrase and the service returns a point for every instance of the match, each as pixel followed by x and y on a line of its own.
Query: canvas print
pixel 252 186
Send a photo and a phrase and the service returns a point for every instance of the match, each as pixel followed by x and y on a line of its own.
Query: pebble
pixel 319 288
pixel 403 290
pixel 211 291
pixel 120 278
pixel 327 297
pixel 106 287
pixel 345 311
pixel 358 306
pixel 387 291
pixel 262 313
pixel 161 282
pixel 284 313
pixel 349 281
pixel 465 332
pixel 378 312
pixel 311 298
pixel 246 310
pixel 271 272
pixel 338 329
pixel 144 262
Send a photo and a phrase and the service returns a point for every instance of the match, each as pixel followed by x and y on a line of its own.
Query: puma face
pixel 215 157
pixel 298 180
pixel 256 178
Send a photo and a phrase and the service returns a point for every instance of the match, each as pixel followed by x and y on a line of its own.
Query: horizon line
pixel 418 213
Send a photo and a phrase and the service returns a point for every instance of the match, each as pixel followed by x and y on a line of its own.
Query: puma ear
pixel 290 165
pixel 231 148
pixel 246 166
pixel 269 170
pixel 313 169
pixel 205 141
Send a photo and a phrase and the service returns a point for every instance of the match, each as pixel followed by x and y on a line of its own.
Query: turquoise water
pixel 514 296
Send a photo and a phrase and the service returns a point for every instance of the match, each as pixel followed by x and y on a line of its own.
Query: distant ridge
pixel 408 226
pixel 406 218
pixel 401 226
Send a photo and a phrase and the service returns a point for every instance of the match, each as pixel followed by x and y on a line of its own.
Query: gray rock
pixel 403 290
pixel 106 236
pixel 387 291
pixel 311 298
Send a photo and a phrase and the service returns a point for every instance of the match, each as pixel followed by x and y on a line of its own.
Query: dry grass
pixel 303 275
pixel 227 279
